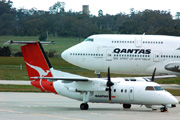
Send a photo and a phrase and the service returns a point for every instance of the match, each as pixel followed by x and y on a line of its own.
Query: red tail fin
pixel 37 65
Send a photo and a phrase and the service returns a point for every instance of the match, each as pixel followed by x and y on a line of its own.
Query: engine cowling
pixel 174 67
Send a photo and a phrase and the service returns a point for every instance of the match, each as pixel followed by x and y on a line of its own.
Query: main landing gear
pixel 84 106
pixel 127 106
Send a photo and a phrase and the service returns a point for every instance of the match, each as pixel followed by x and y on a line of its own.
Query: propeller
pixel 109 84
pixel 152 79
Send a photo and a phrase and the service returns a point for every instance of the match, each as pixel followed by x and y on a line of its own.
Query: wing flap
pixel 83 79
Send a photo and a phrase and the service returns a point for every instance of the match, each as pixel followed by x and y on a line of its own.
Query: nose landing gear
pixel 164 109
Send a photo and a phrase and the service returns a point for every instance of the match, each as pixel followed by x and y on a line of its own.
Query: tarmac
pixel 48 106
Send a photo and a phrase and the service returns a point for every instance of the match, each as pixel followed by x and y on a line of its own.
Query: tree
pixel 6 7
pixel 18 54
pixel 128 27
pixel 43 36
pixel 177 15
pixel 57 8
pixel 100 13
pixel 5 51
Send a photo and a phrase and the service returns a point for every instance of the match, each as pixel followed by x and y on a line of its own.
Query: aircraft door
pixel 138 41
pixel 156 56
pixel 131 94
pixel 108 55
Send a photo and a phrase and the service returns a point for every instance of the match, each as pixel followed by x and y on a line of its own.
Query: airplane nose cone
pixel 64 55
pixel 175 101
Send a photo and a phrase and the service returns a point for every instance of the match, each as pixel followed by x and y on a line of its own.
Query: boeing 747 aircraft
pixel 127 54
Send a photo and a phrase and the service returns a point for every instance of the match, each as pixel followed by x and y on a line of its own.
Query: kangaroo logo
pixel 41 72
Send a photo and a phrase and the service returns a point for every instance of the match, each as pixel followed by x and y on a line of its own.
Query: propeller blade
pixel 109 84
pixel 109 77
pixel 109 94
pixel 152 79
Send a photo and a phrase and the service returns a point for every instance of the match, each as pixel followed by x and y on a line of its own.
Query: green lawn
pixel 18 88
pixel 61 43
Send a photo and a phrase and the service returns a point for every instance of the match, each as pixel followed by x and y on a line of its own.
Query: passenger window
pixel 89 39
pixel 133 79
pixel 121 90
pixel 131 91
pixel 125 90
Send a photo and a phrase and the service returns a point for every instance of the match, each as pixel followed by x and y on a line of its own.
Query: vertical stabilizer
pixel 37 65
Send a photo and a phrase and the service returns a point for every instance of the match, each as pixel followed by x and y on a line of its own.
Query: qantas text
pixel 134 51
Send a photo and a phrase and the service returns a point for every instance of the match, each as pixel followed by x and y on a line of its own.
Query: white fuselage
pixel 127 54
pixel 125 92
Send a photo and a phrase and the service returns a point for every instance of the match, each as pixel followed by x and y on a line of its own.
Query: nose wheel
pixel 164 109
pixel 84 106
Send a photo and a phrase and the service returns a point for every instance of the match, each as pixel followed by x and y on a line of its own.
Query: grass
pixel 169 81
pixel 174 92
pixel 61 43
pixel 18 88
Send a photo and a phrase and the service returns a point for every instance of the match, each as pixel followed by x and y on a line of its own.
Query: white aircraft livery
pixel 127 54
pixel 126 91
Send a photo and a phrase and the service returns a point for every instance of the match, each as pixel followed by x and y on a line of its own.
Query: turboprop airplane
pixel 127 54
pixel 124 91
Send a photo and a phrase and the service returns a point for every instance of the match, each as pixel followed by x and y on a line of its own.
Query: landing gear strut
pixel 127 106
pixel 84 106
pixel 98 74
pixel 164 109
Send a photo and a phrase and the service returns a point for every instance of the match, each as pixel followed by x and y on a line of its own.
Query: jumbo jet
pixel 126 91
pixel 127 54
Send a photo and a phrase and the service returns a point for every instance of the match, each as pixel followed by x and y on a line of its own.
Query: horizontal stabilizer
pixel 26 42
pixel 62 78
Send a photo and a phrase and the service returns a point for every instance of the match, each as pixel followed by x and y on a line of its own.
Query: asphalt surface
pixel 48 106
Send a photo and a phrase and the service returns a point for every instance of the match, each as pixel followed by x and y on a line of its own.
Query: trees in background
pixel 5 51
pixel 57 22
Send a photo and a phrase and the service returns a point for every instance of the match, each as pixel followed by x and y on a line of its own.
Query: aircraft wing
pixel 160 77
pixel 83 79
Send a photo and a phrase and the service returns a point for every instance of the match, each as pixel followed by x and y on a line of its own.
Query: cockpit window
pixel 153 88
pixel 150 88
pixel 89 39
pixel 158 88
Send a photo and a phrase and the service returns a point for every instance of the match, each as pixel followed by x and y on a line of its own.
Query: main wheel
pixel 84 106
pixel 127 106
